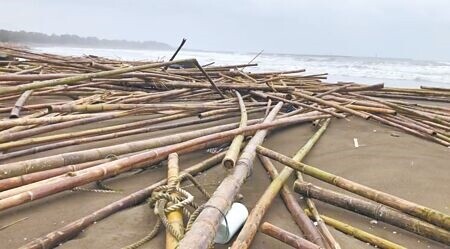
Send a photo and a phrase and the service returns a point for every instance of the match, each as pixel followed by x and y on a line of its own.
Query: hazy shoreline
pixel 392 72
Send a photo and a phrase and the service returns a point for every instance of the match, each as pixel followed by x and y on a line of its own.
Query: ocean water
pixel 369 70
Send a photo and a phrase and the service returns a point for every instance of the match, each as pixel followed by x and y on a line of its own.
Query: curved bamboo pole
pixel 255 217
pixel 430 215
pixel 233 151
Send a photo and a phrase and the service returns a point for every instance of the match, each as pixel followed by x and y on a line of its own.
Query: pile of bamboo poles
pixel 50 101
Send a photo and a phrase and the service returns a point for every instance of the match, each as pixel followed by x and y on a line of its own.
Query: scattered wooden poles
pixel 205 227
pixel 250 228
pixel 113 168
pixel 82 77
pixel 287 237
pixel 331 104
pixel 69 231
pixel 430 215
pixel 301 219
pixel 375 211
pixel 233 151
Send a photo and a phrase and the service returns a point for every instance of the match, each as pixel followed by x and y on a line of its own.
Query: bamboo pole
pixel 301 219
pixel 174 218
pixel 255 217
pixel 70 230
pixel 375 211
pixel 427 214
pixel 359 234
pixel 15 112
pixel 113 168
pixel 205 226
pixel 287 237
pixel 328 103
pixel 81 77
pixel 233 151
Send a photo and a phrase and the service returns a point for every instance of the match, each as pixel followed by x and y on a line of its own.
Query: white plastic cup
pixel 236 217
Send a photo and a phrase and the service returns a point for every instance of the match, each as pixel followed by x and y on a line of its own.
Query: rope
pixel 163 201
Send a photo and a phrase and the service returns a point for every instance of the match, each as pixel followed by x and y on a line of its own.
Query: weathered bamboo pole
pixel 174 218
pixel 205 226
pixel 113 168
pixel 42 120
pixel 255 217
pixel 50 162
pixel 296 103
pixel 233 151
pixel 115 107
pixel 15 112
pixel 227 86
pixel 287 237
pixel 328 103
pixel 331 241
pixel 359 234
pixel 375 211
pixel 430 215
pixel 18 181
pixel 11 136
pixel 86 76
pixel 69 231
pixel 96 131
pixel 301 219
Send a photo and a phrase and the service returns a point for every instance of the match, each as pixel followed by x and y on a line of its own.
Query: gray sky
pixel 398 28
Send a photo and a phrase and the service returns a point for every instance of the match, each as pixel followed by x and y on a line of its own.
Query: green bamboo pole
pixel 359 234
pixel 433 216
pixel 255 217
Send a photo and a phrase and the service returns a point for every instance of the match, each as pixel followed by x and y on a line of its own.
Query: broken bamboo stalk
pixel 287 237
pixel 15 112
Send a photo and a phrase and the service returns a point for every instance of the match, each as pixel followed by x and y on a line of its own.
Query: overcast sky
pixel 398 28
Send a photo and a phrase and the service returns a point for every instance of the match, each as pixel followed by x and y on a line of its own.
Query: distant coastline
pixel 67 40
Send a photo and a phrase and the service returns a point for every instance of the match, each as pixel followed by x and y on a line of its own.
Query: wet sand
pixel 403 165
